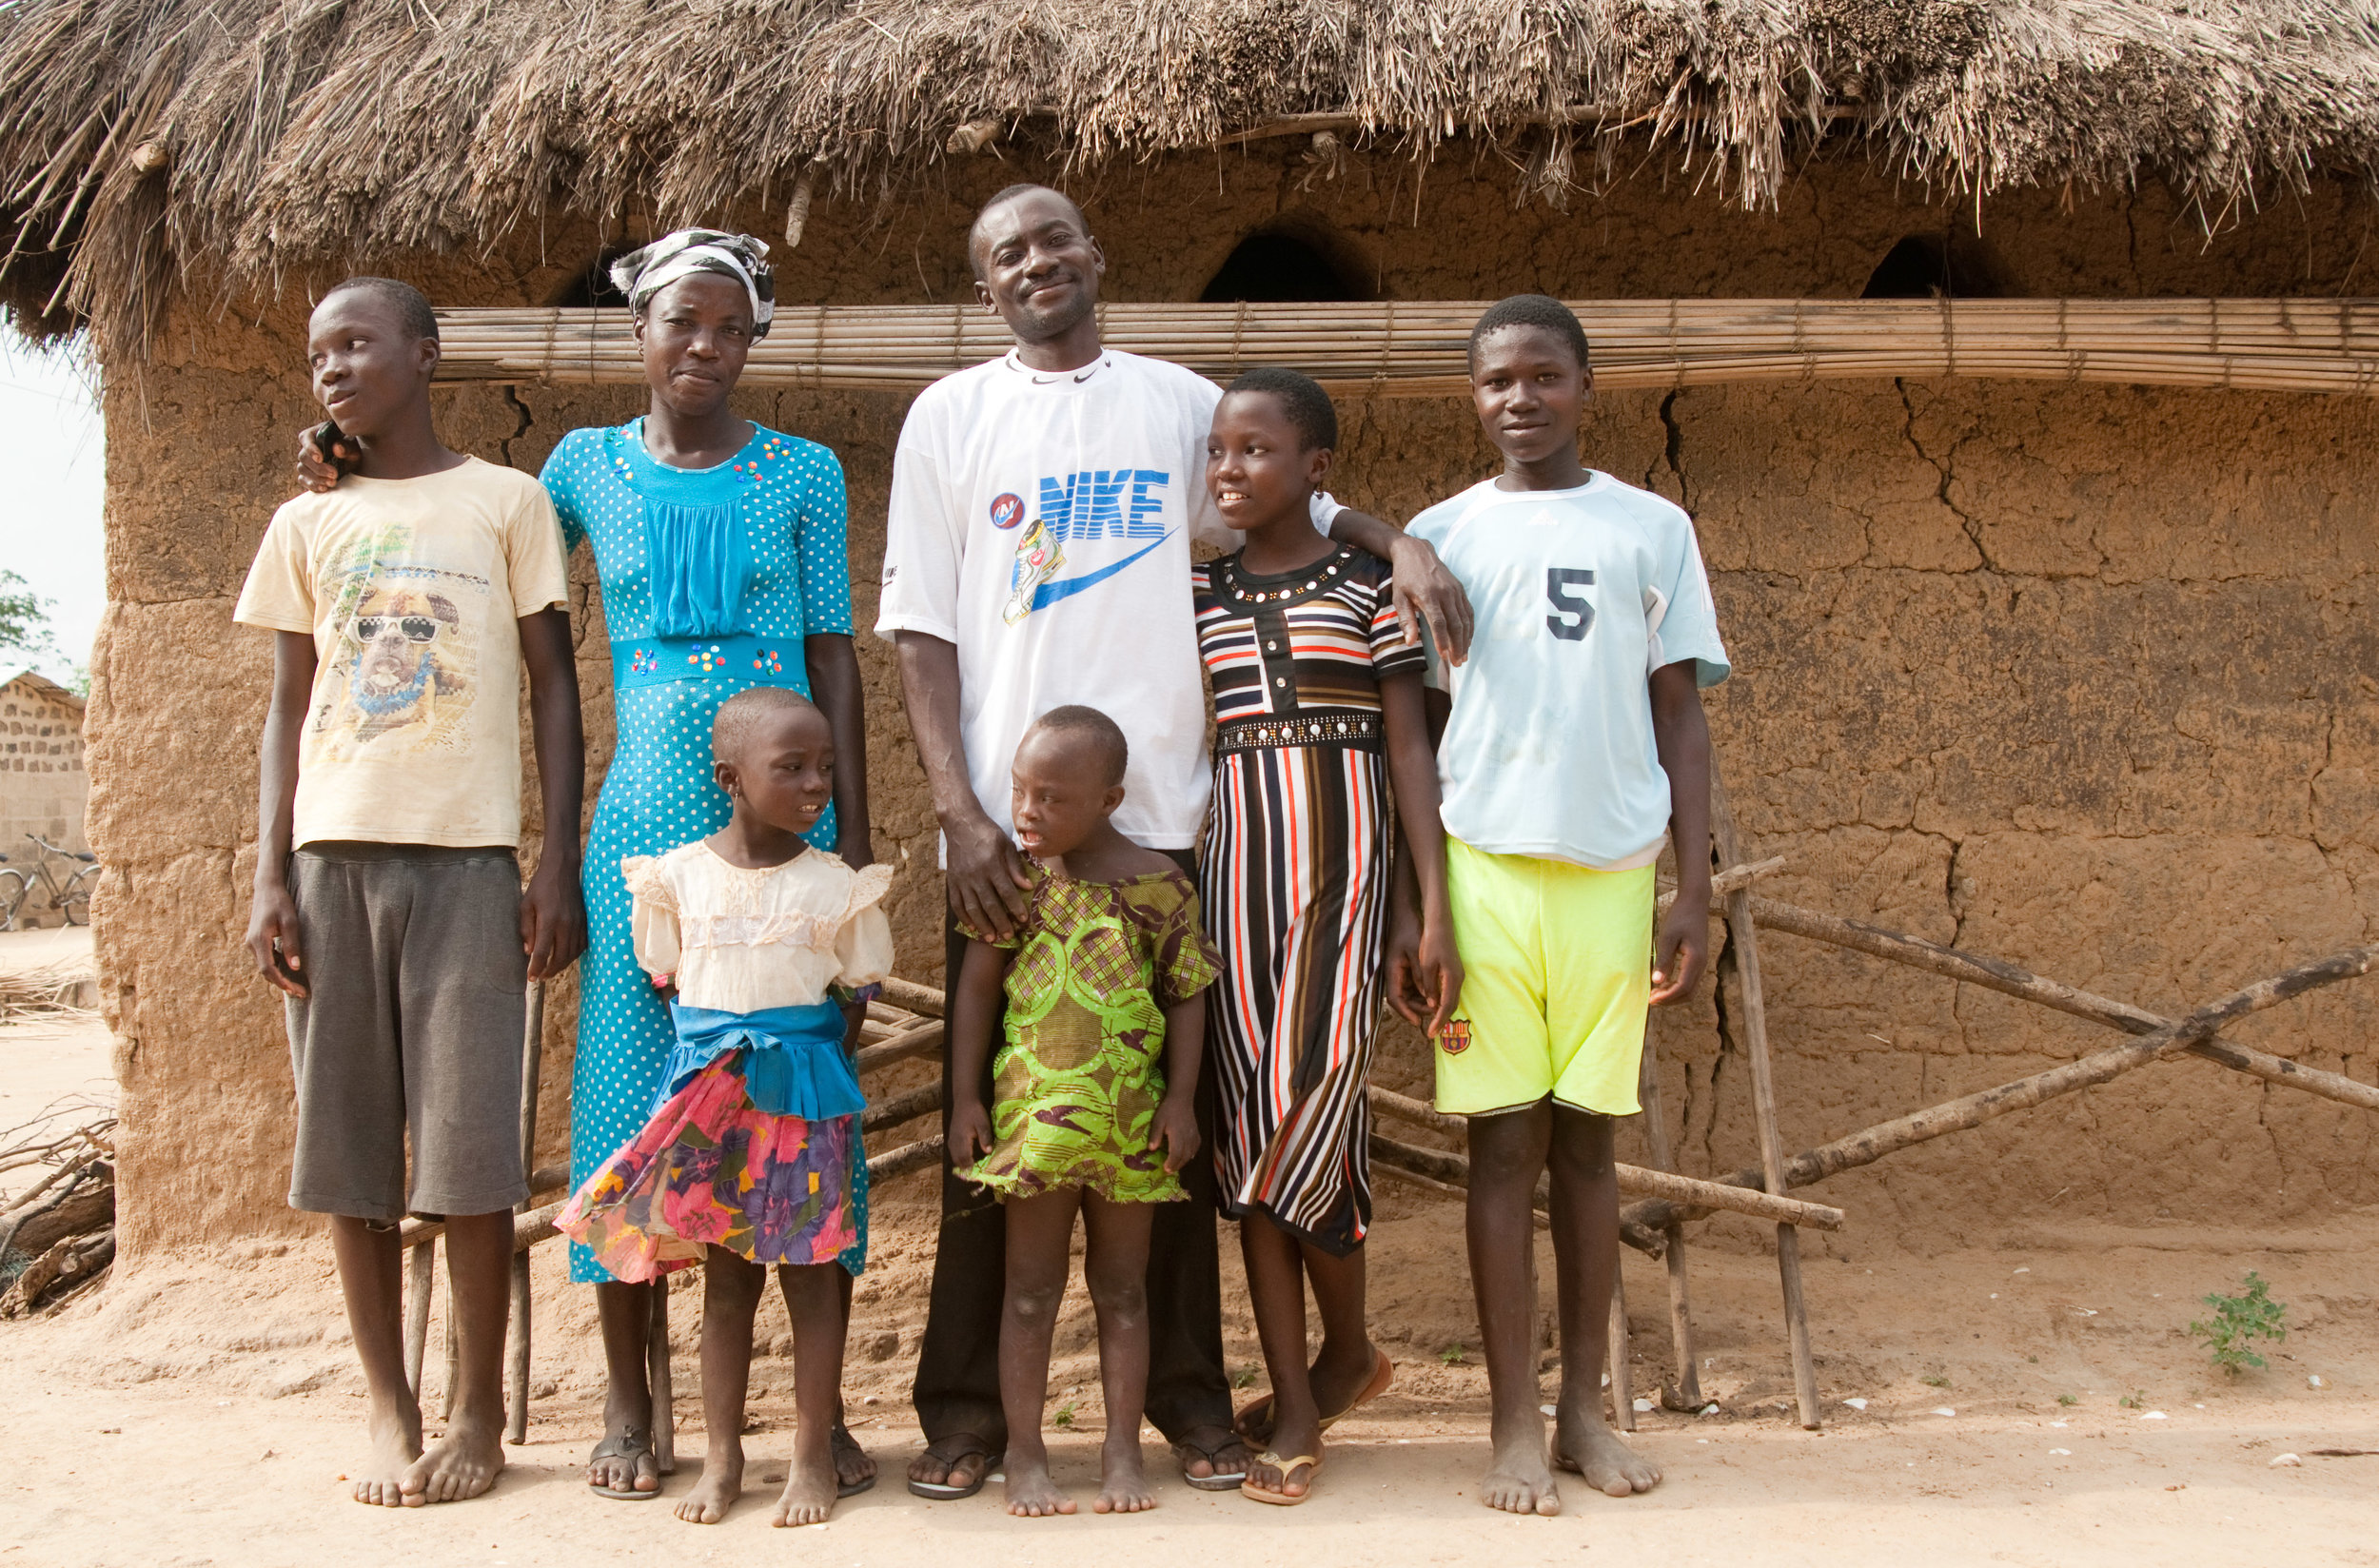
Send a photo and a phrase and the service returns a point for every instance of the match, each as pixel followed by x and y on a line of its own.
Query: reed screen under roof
pixel 1417 348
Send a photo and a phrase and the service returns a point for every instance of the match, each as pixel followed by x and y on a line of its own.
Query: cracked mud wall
pixel 2080 677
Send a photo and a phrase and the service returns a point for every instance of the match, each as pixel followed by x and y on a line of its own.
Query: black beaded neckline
pixel 1279 586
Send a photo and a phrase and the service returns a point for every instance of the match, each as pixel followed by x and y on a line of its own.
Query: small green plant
pixel 2133 1400
pixel 2066 1399
pixel 1245 1377
pixel 2035 1360
pixel 2240 1319
pixel 1064 1416
pixel 1937 1381
pixel 1452 1354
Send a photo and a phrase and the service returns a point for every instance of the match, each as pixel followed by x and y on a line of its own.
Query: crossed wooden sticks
pixel 2159 1040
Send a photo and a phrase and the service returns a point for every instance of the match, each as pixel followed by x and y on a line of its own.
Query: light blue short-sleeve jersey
pixel 1579 595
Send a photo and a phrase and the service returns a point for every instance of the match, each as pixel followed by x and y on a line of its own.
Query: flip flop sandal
pixel 1284 1499
pixel 1221 1481
pixel 1255 1420
pixel 1383 1376
pixel 949 1451
pixel 632 1443
pixel 843 1442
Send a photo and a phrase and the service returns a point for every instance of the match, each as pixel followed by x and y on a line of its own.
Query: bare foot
pixel 959 1459
pixel 855 1468
pixel 1031 1493
pixel 809 1493
pixel 1123 1485
pixel 1517 1480
pixel 462 1464
pixel 1586 1443
pixel 395 1438
pixel 720 1484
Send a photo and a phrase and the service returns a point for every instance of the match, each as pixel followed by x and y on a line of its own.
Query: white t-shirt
pixel 413 590
pixel 1041 522
pixel 1578 596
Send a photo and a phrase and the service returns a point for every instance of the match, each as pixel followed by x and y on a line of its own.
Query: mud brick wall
pixel 43 784
pixel 2082 677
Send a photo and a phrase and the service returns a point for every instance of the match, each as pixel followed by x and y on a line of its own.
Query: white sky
pixel 50 451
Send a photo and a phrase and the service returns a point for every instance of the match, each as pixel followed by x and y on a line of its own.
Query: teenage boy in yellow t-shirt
pixel 389 900
pixel 1573 745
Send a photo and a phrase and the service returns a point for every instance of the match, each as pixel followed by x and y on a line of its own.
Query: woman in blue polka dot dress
pixel 720 546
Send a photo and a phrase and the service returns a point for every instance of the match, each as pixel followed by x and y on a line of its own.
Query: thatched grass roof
pixel 232 139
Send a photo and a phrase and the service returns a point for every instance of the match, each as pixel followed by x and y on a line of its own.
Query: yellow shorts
pixel 1557 962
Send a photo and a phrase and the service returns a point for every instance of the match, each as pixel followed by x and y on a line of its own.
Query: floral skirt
pixel 708 1169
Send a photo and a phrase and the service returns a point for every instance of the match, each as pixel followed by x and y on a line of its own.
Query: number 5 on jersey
pixel 1571 614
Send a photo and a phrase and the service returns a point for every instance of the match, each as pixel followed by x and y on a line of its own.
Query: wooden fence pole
pixel 532 1067
pixel 1742 935
pixel 1622 1385
pixel 454 1344
pixel 420 1266
pixel 1681 1322
pixel 658 1379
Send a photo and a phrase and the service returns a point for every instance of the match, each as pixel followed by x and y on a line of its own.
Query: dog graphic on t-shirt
pixel 407 673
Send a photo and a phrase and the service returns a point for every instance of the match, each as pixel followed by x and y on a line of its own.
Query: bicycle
pixel 71 897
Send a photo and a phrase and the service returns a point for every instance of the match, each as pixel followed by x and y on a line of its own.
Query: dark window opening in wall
pixel 594 286
pixel 1934 267
pixel 1279 269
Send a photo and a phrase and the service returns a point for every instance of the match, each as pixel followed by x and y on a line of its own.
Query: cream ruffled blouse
pixel 741 940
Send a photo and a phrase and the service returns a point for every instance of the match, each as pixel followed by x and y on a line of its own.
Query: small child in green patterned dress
pixel 1095 1087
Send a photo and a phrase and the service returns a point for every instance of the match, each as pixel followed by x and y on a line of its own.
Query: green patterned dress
pixel 1078 1081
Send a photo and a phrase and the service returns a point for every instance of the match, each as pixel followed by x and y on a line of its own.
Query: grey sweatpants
pixel 418 983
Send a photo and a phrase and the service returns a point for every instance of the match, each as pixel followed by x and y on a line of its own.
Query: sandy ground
pixel 204 1412
pixel 2034 1402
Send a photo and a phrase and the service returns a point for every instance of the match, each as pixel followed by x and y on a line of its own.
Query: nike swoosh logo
pixel 1050 593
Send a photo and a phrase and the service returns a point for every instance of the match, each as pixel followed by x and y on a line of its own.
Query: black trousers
pixel 957 1386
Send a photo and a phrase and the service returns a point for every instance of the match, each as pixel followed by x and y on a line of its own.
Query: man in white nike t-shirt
pixel 1043 507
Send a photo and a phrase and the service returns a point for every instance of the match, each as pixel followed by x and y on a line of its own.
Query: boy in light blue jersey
pixel 1573 744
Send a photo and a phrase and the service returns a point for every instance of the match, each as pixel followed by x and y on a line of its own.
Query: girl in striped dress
pixel 1317 702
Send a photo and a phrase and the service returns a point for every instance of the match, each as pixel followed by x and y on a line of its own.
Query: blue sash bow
pixel 793 1061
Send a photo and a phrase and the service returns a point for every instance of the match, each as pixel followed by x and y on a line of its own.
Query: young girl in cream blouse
pixel 752 1156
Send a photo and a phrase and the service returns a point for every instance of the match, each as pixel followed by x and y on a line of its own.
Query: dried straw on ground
pixel 56 991
pixel 233 141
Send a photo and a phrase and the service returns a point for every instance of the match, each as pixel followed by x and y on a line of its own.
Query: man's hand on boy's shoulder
pixel 553 919
pixel 321 461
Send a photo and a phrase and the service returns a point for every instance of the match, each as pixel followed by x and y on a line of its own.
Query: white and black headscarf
pixel 641 274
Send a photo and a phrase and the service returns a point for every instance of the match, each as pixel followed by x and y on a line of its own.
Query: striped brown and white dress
pixel 1295 881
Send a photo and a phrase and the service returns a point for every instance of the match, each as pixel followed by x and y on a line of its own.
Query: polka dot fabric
pixel 788 493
